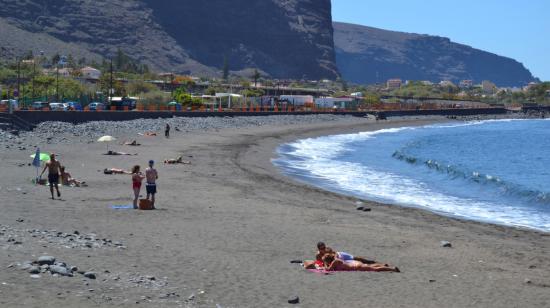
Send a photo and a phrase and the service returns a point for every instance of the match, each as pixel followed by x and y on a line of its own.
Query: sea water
pixel 489 171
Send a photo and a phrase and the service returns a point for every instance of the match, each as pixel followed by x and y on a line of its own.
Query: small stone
pixel 532 266
pixel 62 264
pixel 432 280
pixel 74 268
pixel 191 297
pixel 360 208
pixel 81 272
pixel 34 270
pixel 35 276
pixel 63 271
pixel 90 275
pixel 76 233
pixel 46 260
pixel 150 277
pixel 294 300
pixel 446 244
pixel 528 281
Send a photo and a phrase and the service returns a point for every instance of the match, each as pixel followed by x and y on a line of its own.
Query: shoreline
pixel 321 183
pixel 229 224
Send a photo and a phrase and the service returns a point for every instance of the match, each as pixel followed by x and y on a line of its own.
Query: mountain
pixel 282 38
pixel 369 55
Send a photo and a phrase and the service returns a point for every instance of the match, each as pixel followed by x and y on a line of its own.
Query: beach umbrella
pixel 41 157
pixel 106 139
pixel 37 158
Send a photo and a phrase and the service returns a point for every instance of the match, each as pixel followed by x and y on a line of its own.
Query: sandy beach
pixel 229 224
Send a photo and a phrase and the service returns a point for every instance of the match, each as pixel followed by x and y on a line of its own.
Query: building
pixel 297 100
pixel 394 84
pixel 466 84
pixel 488 87
pixel 90 73
pixel 446 83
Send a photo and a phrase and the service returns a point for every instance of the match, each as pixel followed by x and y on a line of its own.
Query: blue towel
pixel 122 207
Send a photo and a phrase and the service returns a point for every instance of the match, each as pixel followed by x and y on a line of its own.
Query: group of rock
pixel 62 132
pixel 75 239
pixel 48 264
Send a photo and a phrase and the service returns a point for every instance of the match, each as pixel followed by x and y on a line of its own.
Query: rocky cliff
pixel 283 38
pixel 369 55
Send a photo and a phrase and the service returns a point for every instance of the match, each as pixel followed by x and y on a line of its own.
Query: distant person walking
pixel 167 131
pixel 54 170
pixel 151 177
pixel 137 179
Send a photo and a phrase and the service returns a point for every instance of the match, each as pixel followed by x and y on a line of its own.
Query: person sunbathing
pixel 68 180
pixel 133 143
pixel 176 161
pixel 323 249
pixel 115 171
pixel 334 264
pixel 115 153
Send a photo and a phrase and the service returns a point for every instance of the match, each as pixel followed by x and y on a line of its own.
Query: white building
pixel 90 73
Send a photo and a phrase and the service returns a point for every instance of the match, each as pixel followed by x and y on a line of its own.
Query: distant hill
pixel 282 38
pixel 369 55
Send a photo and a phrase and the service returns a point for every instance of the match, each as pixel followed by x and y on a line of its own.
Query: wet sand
pixel 229 224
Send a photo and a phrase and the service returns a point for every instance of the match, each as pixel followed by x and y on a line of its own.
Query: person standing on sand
pixel 151 176
pixel 167 131
pixel 54 170
pixel 137 179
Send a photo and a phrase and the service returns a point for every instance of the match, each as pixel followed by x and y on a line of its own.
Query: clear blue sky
pixel 518 29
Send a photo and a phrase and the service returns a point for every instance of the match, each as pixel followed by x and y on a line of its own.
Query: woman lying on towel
pixel 335 264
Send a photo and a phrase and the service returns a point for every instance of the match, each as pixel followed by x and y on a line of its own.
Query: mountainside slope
pixel 283 38
pixel 369 55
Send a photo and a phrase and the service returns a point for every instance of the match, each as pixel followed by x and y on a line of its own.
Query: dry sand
pixel 228 226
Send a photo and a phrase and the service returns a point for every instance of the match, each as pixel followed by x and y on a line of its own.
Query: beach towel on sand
pixel 122 207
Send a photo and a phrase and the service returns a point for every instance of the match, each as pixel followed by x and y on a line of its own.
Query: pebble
pixel 294 300
pixel 35 276
pixel 90 275
pixel 35 270
pixel 63 271
pixel 46 260
pixel 446 244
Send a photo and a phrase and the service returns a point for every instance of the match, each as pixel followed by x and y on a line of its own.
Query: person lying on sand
pixel 334 264
pixel 133 143
pixel 176 161
pixel 115 171
pixel 68 180
pixel 115 153
pixel 322 250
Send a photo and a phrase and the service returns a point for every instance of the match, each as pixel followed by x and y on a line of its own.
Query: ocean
pixel 490 171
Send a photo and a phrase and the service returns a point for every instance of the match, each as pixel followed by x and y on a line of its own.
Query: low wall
pixel 76 117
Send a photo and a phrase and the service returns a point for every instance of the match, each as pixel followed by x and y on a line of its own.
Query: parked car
pixel 58 107
pixel 120 102
pixel 75 106
pixel 7 102
pixel 40 105
pixel 95 106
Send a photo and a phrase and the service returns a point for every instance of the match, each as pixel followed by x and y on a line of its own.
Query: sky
pixel 518 29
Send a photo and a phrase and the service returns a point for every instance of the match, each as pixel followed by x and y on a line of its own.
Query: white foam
pixel 317 160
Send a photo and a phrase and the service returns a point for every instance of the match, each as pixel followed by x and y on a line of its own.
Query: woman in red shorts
pixel 137 179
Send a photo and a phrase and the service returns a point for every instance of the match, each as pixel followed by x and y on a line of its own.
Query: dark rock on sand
pixel 294 300
pixel 90 275
pixel 46 260
pixel 60 270
pixel 446 244
pixel 34 270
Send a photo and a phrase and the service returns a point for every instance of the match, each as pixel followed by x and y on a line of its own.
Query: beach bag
pixel 145 205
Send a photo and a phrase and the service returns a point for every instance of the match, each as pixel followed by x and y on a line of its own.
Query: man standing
pixel 54 168
pixel 151 176
pixel 167 131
